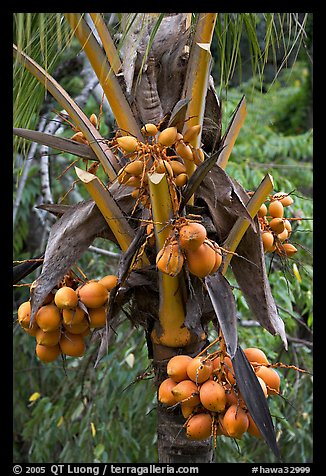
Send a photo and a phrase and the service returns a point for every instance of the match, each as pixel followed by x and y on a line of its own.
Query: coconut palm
pixel 156 71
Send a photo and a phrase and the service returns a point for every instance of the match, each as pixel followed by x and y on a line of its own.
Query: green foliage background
pixel 107 414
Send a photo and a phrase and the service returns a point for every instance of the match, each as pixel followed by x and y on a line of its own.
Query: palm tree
pixel 159 73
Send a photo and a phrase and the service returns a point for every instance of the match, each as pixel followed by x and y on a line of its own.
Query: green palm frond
pixel 282 34
pixel 43 36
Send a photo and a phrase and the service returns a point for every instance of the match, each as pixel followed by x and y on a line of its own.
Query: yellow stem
pixel 242 224
pixel 111 87
pixel 110 211
pixel 107 42
pixel 172 306
pixel 197 78
pixel 232 134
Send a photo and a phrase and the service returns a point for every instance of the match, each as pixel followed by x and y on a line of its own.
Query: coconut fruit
pixel 93 294
pixel 109 281
pixel 271 379
pixel 255 356
pixel 199 427
pixel 165 394
pixel 168 136
pixel 276 209
pixel 212 396
pixel 202 260
pixel 72 344
pixel 199 370
pixel 169 259
pixel 48 317
pixel 47 354
pixel 128 143
pixel 186 391
pixel 177 367
pixel 235 421
pixel 192 235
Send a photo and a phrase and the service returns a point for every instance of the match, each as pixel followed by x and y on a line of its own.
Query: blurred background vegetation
pixel 107 414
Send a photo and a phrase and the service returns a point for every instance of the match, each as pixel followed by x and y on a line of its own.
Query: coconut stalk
pixel 196 82
pixel 172 306
pixel 107 42
pixel 110 211
pixel 81 121
pixel 232 133
pixel 241 225
pixel 111 87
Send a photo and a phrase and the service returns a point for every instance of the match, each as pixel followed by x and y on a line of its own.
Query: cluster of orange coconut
pixel 188 242
pixel 66 317
pixel 205 389
pixel 165 151
pixel 275 228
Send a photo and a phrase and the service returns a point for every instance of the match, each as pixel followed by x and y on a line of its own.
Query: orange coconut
pixel 97 317
pixel 48 317
pixel 177 367
pixel 288 249
pixel 262 211
pixel 66 298
pixel 128 143
pixel 47 354
pixel 271 379
pixel 255 356
pixel 201 261
pixel 186 391
pixel 252 428
pixel 263 386
pixel 199 369
pixel 218 258
pixel 191 133
pixel 163 166
pixel 48 339
pixel 212 396
pixel 93 294
pixel 73 316
pixel 177 167
pixel 276 209
pixel 284 198
pixel 24 314
pixel 235 421
pixel 135 168
pixel 199 427
pixel 149 130
pixel 184 151
pixel 277 225
pixel 181 180
pixel 191 236
pixel 80 328
pixel 165 394
pixel 168 136
pixel 109 281
pixel 169 259
pixel 72 344
pixel 268 241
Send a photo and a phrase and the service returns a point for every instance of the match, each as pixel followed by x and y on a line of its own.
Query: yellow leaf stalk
pixel 242 224
pixel 110 211
pixel 232 134
pixel 107 42
pixel 197 78
pixel 111 87
pixel 172 305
